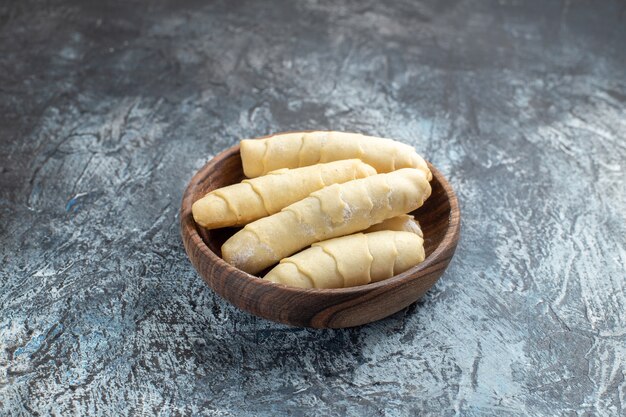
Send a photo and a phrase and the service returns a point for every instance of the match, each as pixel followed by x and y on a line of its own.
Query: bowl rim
pixel 189 226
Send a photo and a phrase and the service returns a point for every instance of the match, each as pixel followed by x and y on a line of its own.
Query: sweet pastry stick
pixel 333 211
pixel 401 223
pixel 292 150
pixel 250 200
pixel 351 260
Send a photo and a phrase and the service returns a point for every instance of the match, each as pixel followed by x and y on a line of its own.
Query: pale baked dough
pixel 336 210
pixel 250 200
pixel 292 150
pixel 401 223
pixel 351 260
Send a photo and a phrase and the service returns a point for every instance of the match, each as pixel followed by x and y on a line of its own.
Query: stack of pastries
pixel 328 207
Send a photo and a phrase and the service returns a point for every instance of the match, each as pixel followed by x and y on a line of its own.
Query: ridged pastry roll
pixel 351 260
pixel 292 150
pixel 239 204
pixel 333 211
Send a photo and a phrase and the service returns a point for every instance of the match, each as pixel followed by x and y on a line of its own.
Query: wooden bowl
pixel 320 308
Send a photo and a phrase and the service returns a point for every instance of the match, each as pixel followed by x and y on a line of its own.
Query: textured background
pixel 107 111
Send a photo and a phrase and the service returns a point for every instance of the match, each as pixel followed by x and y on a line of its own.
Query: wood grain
pixel 320 308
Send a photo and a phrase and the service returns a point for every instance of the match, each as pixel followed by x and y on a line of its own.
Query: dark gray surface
pixel 107 111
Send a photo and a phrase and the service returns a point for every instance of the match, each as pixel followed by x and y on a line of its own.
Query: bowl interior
pixel 433 215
